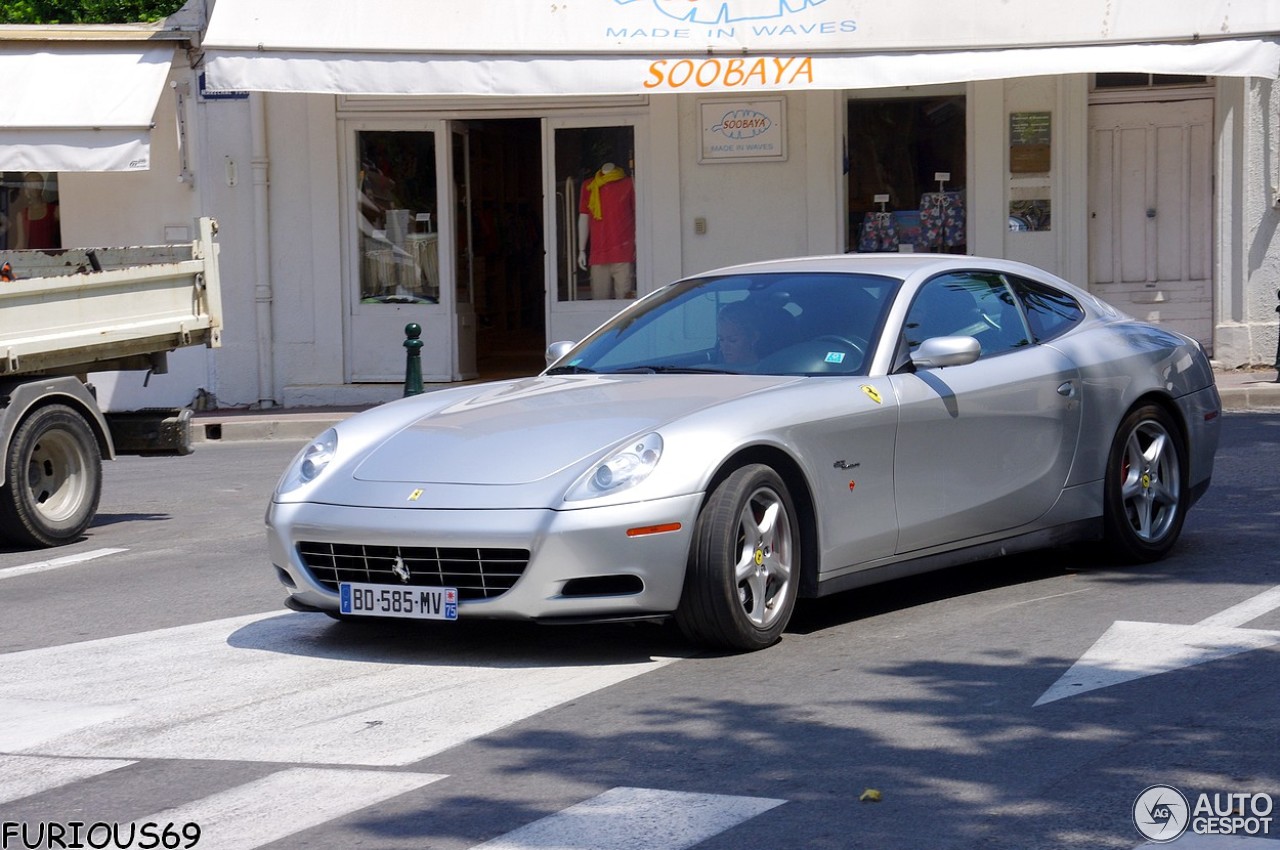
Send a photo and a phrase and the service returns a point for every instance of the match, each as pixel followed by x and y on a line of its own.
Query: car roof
pixel 900 265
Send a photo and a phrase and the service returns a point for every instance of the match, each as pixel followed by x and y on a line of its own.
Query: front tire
pixel 53 478
pixel 1146 486
pixel 744 568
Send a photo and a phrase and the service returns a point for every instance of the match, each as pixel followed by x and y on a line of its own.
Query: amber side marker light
pixel 653 529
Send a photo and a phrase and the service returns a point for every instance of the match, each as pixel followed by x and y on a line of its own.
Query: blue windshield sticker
pixel 835 357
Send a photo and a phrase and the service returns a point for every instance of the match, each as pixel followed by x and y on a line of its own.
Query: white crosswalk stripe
pixel 292 800
pixel 290 689
pixel 635 819
pixel 284 803
pixel 22 776
pixel 224 690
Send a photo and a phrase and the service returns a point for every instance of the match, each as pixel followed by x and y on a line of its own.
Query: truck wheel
pixel 53 478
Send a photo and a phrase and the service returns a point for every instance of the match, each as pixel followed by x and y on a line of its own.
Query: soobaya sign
pixel 733 131
pixel 729 73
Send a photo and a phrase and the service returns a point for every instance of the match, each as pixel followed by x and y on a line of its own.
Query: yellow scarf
pixel 601 178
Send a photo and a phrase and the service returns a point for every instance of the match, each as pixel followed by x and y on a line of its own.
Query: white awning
pixel 484 47
pixel 79 107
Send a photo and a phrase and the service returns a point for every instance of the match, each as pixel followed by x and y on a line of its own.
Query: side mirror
pixel 946 351
pixel 556 350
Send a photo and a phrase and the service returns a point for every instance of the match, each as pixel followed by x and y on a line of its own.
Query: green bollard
pixel 413 359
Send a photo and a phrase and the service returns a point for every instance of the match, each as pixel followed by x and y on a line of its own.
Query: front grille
pixel 477 573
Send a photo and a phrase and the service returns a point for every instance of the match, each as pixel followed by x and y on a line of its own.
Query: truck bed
pixel 76 310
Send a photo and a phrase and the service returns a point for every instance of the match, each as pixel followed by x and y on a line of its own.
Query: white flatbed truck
pixel 71 311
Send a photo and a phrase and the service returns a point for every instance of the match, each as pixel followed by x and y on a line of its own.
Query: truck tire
pixel 53 478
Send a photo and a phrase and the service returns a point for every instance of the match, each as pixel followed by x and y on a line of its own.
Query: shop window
pixel 596 213
pixel 906 174
pixel 29 210
pixel 397 217
pixel 1142 81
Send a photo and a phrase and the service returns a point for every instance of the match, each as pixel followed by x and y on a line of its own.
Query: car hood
pixel 522 432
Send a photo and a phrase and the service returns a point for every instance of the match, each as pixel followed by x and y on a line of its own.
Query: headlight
pixel 310 462
pixel 624 467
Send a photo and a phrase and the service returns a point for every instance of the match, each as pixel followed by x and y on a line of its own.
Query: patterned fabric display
pixel 942 219
pixel 878 233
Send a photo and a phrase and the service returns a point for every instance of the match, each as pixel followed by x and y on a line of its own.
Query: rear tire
pixel 53 478
pixel 744 567
pixel 1146 486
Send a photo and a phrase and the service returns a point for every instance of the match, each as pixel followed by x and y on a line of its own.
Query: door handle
pixel 1067 389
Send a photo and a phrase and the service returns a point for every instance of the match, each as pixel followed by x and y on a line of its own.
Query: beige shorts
pixel 612 280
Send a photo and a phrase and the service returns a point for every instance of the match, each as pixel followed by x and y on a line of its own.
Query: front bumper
pixel 585 543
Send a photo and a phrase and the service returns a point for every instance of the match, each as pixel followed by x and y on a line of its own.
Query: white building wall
pixel 306 255
pixel 225 183
pixel 1062 250
pixel 1248 222
pixel 753 210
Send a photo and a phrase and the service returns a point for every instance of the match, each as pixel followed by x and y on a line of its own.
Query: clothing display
pixel 41 232
pixel 609 202
pixel 942 219
pixel 938 224
pixel 879 233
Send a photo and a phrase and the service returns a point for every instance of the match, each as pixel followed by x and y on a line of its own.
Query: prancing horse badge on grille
pixel 398 567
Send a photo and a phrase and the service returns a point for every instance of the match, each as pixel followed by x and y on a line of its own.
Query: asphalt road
pixel 1020 703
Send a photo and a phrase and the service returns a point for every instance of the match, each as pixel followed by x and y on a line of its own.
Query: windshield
pixel 816 323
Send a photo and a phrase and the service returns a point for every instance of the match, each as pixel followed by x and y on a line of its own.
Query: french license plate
pixel 384 600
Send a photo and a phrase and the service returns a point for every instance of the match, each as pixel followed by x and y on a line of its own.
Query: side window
pixel 1049 311
pixel 972 304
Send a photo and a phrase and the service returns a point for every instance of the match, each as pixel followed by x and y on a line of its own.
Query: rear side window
pixel 1050 312
pixel 976 304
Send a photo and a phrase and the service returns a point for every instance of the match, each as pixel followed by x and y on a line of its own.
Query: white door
pixel 1150 205
pixel 463 267
pixel 406 217
pixel 591 222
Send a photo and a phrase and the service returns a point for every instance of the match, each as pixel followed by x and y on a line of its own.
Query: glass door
pixel 405 197
pixel 592 270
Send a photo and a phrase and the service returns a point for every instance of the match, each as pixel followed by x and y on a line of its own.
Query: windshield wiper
pixel 673 370
pixel 571 370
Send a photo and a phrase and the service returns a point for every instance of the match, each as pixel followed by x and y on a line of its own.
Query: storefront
pixel 506 177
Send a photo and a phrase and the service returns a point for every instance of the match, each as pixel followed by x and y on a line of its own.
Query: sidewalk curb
pixel 1250 399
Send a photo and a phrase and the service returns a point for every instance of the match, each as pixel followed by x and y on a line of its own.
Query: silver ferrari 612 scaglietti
pixel 754 434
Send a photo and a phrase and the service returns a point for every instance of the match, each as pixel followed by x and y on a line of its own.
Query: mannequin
pixel 607 232
pixel 36 218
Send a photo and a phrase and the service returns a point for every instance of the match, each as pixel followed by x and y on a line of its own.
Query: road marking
pixel 223 690
pixel 1246 611
pixel 1129 651
pixel 25 723
pixel 286 802
pixel 56 563
pixel 635 819
pixel 22 776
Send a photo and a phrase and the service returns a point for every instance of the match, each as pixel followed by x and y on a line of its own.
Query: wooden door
pixel 1150 203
